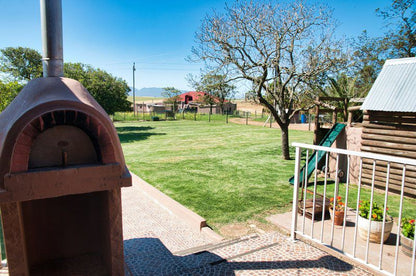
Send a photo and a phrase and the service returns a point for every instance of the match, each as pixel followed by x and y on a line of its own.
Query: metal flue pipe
pixel 51 22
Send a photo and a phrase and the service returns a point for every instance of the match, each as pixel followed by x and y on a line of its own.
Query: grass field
pixel 224 172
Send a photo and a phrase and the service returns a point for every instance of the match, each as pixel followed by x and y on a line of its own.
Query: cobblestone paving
pixel 144 218
pixel 269 254
pixel 151 234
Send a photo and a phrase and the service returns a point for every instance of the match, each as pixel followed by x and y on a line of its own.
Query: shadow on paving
pixel 132 133
pixel 148 256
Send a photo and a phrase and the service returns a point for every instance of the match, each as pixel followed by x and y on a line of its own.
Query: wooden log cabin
pixel 389 124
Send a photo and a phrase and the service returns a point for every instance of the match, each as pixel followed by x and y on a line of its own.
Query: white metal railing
pixel 385 258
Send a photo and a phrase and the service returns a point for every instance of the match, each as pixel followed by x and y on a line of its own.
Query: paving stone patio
pixel 159 243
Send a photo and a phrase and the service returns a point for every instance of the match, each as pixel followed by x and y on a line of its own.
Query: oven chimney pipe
pixel 51 22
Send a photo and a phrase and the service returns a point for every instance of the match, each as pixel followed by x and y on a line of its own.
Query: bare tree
pixel 281 49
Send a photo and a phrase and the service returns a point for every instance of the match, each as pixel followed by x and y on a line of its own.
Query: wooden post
pixel 143 110
pixel 317 126
pixel 246 118
pixel 226 117
pixel 346 101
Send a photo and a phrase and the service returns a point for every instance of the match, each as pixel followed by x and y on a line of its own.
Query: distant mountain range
pixel 148 92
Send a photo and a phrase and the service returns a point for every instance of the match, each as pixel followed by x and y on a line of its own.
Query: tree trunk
pixel 285 141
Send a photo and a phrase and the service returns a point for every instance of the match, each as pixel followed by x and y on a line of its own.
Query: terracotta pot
pixel 338 218
pixel 376 229
pixel 407 245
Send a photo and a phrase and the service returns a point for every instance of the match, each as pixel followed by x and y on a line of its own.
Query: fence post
pixel 226 117
pixel 246 118
pixel 295 194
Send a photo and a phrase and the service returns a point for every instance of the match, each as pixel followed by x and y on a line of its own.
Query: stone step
pixel 217 254
pixel 213 246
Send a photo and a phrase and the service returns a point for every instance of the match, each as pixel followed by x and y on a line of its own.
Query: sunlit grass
pixel 223 172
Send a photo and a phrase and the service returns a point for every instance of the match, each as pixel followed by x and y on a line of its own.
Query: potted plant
pixel 376 222
pixel 407 236
pixel 336 210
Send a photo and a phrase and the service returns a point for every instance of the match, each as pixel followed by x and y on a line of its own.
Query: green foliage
pixel 172 95
pixel 109 91
pixel 8 91
pixel 25 64
pixel 21 63
pixel 408 228
pixel 368 58
pixel 377 212
pixel 218 89
pixel 400 20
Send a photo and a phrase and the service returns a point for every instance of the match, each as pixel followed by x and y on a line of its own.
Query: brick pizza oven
pixel 61 173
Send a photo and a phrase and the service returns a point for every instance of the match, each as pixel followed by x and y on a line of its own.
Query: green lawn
pixel 223 172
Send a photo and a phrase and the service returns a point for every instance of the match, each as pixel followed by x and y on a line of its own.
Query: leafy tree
pixel 400 20
pixel 341 87
pixel 368 57
pixel 109 91
pixel 286 44
pixel 172 95
pixel 217 88
pixel 8 91
pixel 21 63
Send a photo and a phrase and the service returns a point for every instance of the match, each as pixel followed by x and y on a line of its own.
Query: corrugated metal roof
pixel 395 87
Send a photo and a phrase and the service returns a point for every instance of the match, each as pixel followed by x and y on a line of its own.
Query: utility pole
pixel 134 90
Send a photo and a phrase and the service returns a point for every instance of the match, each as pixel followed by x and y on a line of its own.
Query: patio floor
pixel 283 221
pixel 159 243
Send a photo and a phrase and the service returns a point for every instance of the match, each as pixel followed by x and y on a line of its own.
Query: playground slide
pixel 327 141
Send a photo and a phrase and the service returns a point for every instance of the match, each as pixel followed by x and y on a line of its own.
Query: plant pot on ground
pixel 375 227
pixel 407 236
pixel 339 206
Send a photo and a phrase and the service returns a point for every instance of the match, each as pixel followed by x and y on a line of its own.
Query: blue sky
pixel 157 35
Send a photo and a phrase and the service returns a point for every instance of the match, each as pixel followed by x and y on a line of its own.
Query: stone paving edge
pixel 195 221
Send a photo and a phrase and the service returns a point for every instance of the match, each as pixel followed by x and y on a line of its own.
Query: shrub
pixel 377 212
pixel 408 228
